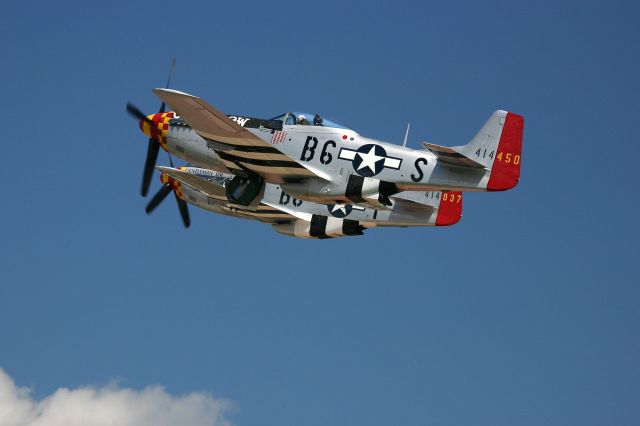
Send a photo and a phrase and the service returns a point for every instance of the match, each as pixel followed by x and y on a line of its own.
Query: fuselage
pixel 408 209
pixel 343 166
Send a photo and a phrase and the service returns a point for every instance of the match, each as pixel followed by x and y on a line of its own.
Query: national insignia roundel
pixel 339 210
pixel 369 160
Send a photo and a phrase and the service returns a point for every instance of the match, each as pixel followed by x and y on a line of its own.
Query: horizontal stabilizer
pixel 451 156
pixel 207 187
pixel 445 207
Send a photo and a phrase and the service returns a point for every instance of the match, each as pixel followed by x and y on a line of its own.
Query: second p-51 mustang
pixel 211 191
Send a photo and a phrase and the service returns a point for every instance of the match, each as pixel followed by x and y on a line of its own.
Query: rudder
pixel 450 208
pixel 505 170
pixel 498 147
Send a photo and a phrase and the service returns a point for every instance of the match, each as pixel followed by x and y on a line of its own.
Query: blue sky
pixel 526 312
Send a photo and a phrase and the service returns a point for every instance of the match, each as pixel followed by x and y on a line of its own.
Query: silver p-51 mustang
pixel 319 162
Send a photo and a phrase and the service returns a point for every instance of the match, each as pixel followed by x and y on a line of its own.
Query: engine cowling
pixel 320 227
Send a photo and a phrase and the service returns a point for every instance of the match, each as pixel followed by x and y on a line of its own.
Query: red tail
pixel 450 208
pixel 505 172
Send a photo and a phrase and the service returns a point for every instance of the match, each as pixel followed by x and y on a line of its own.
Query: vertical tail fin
pixel 450 208
pixel 498 147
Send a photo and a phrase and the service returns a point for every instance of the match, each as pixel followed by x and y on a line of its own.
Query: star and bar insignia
pixel 342 210
pixel 369 159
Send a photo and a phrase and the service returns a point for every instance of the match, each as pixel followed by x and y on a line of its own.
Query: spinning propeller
pixel 153 148
pixel 169 184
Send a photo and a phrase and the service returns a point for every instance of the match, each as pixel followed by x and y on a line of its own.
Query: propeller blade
pixel 150 162
pixel 158 198
pixel 184 211
pixel 173 64
pixel 135 112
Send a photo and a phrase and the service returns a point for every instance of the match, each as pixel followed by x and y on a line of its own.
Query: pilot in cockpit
pixel 302 120
pixel 317 120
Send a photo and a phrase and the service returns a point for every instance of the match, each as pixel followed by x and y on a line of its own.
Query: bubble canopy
pixel 299 118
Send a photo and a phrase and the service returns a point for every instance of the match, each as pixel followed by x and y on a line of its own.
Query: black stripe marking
pixel 249 148
pixel 354 188
pixel 260 149
pixel 267 163
pixel 387 189
pixel 318 226
pixel 351 227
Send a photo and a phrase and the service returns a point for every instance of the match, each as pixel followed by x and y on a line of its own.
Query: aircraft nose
pixel 166 180
pixel 156 126
pixel 146 127
pixel 174 184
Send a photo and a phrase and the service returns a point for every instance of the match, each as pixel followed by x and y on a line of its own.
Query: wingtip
pixel 162 90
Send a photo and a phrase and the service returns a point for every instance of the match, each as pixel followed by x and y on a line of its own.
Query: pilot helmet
pixel 301 118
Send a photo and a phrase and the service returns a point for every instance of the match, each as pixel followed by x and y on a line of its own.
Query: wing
pixel 290 211
pixel 320 227
pixel 238 148
pixel 308 225
pixel 263 212
pixel 210 189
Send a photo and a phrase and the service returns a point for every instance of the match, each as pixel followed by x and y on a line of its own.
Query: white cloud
pixel 108 406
